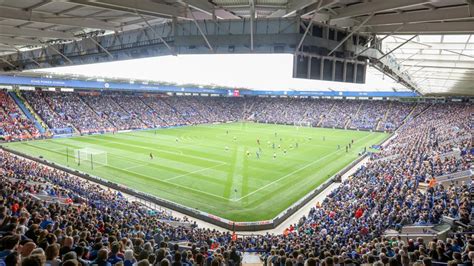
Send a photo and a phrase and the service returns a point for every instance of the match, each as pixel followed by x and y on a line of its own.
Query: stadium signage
pixel 86 84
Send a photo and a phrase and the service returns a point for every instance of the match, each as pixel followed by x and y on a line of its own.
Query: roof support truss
pixel 201 31
pixel 59 53
pixel 350 34
pixel 394 49
pixel 158 35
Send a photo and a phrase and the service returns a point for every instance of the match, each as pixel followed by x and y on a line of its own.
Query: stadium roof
pixel 440 63
pixel 437 63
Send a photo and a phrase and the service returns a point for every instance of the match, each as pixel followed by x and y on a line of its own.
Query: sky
pixel 251 71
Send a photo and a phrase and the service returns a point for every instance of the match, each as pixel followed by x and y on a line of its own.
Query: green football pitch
pixel 214 168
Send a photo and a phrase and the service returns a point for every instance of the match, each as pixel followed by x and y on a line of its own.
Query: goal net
pixel 90 157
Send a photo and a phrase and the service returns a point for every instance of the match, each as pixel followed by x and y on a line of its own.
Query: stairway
pixel 384 119
pixel 409 116
pixel 154 111
pixel 247 113
pixel 26 111
pixel 347 123
pixel 322 116
pixel 175 110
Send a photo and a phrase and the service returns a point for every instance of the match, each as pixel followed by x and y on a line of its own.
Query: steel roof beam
pixel 394 49
pixel 252 18
pixel 12 31
pixel 8 63
pixel 374 42
pixel 309 26
pixel 58 52
pixel 437 60
pixel 144 7
pixel 428 65
pixel 418 16
pixel 38 5
pixel 426 28
pixel 434 46
pixel 201 31
pixel 350 34
pixel 18 41
pixel 7 48
pixel 201 5
pixel 446 77
pixel 375 6
pixel 34 16
pixel 436 72
pixel 309 6
pixel 158 35
pixel 100 46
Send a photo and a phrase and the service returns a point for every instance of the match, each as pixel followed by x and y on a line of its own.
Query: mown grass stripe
pixel 202 147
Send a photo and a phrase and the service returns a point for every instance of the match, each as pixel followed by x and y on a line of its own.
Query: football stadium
pixel 229 132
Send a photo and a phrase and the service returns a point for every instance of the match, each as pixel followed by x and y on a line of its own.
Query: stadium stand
pixel 108 107
pixel 340 114
pixel 85 112
pixel 14 124
pixel 407 68
pixel 48 217
pixel 51 118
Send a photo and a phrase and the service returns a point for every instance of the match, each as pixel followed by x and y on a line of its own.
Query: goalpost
pixel 90 157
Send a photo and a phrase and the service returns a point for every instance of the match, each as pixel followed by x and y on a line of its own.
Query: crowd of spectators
pixel 141 115
pixel 42 108
pixel 399 111
pixel 290 110
pixel 340 113
pixel 189 109
pixel 93 225
pixel 369 115
pixel 62 110
pixel 165 112
pixel 93 112
pixel 385 194
pixel 13 123
pixel 107 109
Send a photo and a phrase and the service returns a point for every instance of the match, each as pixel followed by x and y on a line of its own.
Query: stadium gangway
pixel 457 177
pixel 455 153
pixel 458 139
pixel 456 222
pixel 177 223
pixel 426 232
pixel 388 158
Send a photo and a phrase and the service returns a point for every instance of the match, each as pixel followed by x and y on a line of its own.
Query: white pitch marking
pixel 289 174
